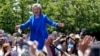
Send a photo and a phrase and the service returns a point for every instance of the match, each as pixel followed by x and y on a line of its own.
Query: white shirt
pixel 1 53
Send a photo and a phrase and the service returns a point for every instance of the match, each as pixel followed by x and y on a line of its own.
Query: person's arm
pixel 52 23
pixel 47 43
pixel 7 53
pixel 59 53
pixel 24 25
pixel 49 53
pixel 56 41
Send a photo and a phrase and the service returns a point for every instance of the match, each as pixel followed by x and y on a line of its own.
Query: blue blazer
pixel 41 32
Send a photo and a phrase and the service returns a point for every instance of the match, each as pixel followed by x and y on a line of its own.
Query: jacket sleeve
pixel 50 22
pixel 26 24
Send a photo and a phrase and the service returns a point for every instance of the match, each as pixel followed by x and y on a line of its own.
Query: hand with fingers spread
pixel 84 46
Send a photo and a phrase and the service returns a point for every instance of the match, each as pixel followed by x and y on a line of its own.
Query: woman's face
pixel 36 11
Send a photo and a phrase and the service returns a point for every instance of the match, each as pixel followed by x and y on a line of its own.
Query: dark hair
pixel 85 31
pixel 2 41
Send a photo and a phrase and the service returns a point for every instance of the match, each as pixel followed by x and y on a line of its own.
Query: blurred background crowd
pixel 57 44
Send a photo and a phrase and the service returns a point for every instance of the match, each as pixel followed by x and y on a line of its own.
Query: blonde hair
pixel 5 45
pixel 36 5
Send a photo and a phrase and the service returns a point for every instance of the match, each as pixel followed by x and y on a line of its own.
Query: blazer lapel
pixel 33 20
pixel 40 23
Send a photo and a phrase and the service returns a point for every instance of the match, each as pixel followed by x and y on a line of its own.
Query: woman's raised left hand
pixel 60 24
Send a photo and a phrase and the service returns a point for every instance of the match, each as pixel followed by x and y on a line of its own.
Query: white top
pixel 18 50
pixel 1 53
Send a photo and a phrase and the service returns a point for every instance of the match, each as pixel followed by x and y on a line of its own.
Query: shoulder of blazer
pixel 32 16
pixel 44 16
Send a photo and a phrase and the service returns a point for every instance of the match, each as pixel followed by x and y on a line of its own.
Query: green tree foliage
pixel 75 14
pixel 6 15
pixel 13 12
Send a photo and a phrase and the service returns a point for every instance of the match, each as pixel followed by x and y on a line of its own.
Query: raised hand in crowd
pixel 84 46
pixel 32 48
pixel 56 41
pixel 48 43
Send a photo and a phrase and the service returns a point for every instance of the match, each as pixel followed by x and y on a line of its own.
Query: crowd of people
pixel 39 43
pixel 57 44
pixel 71 45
